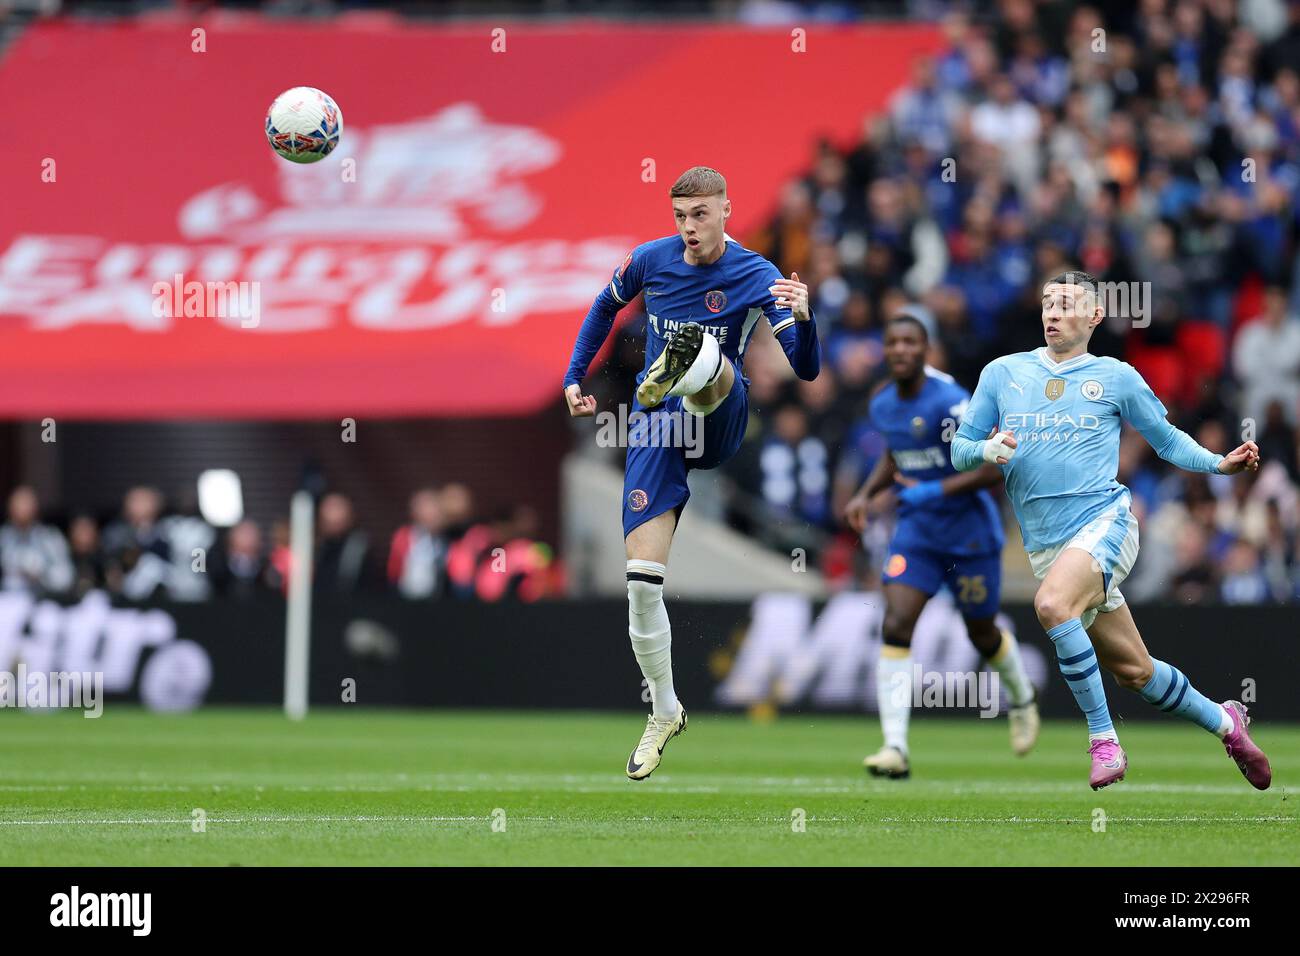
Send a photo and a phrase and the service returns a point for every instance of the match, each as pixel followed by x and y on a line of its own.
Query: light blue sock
pixel 1171 691
pixel 1078 663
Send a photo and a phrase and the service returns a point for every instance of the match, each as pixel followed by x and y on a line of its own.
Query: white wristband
pixel 997 447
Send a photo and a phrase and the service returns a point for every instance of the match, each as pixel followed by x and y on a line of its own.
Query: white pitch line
pixel 865 824
pixel 688 783
pixel 1080 820
pixel 213 821
pixel 665 784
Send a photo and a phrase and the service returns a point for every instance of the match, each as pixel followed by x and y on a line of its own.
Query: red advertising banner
pixel 158 260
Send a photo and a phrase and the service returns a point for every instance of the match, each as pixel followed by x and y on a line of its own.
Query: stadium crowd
pixel 1144 141
pixel 1159 144
pixel 150 551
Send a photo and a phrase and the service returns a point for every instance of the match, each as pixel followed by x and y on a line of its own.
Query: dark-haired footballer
pixel 1055 416
pixel 948 532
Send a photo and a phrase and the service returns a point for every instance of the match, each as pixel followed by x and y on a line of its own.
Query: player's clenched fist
pixel 580 406
pixel 791 294
pixel 1244 457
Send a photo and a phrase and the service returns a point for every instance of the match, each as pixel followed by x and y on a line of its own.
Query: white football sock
pixel 647 625
pixel 1225 722
pixel 704 371
pixel 1006 663
pixel 894 694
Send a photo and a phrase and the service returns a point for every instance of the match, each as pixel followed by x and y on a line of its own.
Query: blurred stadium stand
pixel 1126 163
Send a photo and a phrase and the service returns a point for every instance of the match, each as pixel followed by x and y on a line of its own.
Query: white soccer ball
pixel 304 125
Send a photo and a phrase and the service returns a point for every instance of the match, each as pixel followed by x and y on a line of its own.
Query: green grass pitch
pixel 372 787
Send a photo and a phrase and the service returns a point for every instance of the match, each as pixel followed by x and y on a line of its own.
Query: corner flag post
pixel 297 624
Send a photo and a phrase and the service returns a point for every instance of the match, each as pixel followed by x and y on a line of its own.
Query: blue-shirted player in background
pixel 704 294
pixel 948 532
pixel 1056 413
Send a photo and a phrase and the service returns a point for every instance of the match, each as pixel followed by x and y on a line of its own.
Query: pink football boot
pixel 1109 763
pixel 1249 758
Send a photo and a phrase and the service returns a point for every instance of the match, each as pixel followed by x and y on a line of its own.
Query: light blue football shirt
pixel 1066 418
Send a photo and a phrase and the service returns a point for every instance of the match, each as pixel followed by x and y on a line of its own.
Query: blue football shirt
pixel 917 431
pixel 727 297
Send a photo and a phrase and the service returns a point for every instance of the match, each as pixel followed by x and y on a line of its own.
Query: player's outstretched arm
pixel 1177 447
pixel 1144 411
pixel 794 327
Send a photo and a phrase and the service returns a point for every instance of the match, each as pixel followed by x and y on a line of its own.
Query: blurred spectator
pixel 1277 441
pixel 88 564
pixel 857 335
pixel 33 556
pixel 1195 577
pixel 1266 360
pixel 796 469
pixel 986 288
pixel 787 240
pixel 343 563
pixel 924 111
pixel 503 557
pixel 1279 556
pixel 190 540
pixel 280 561
pixel 138 554
pixel 963 349
pixel 457 505
pixel 417 558
pixel 1243 579
pixel 1011 123
pixel 242 570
